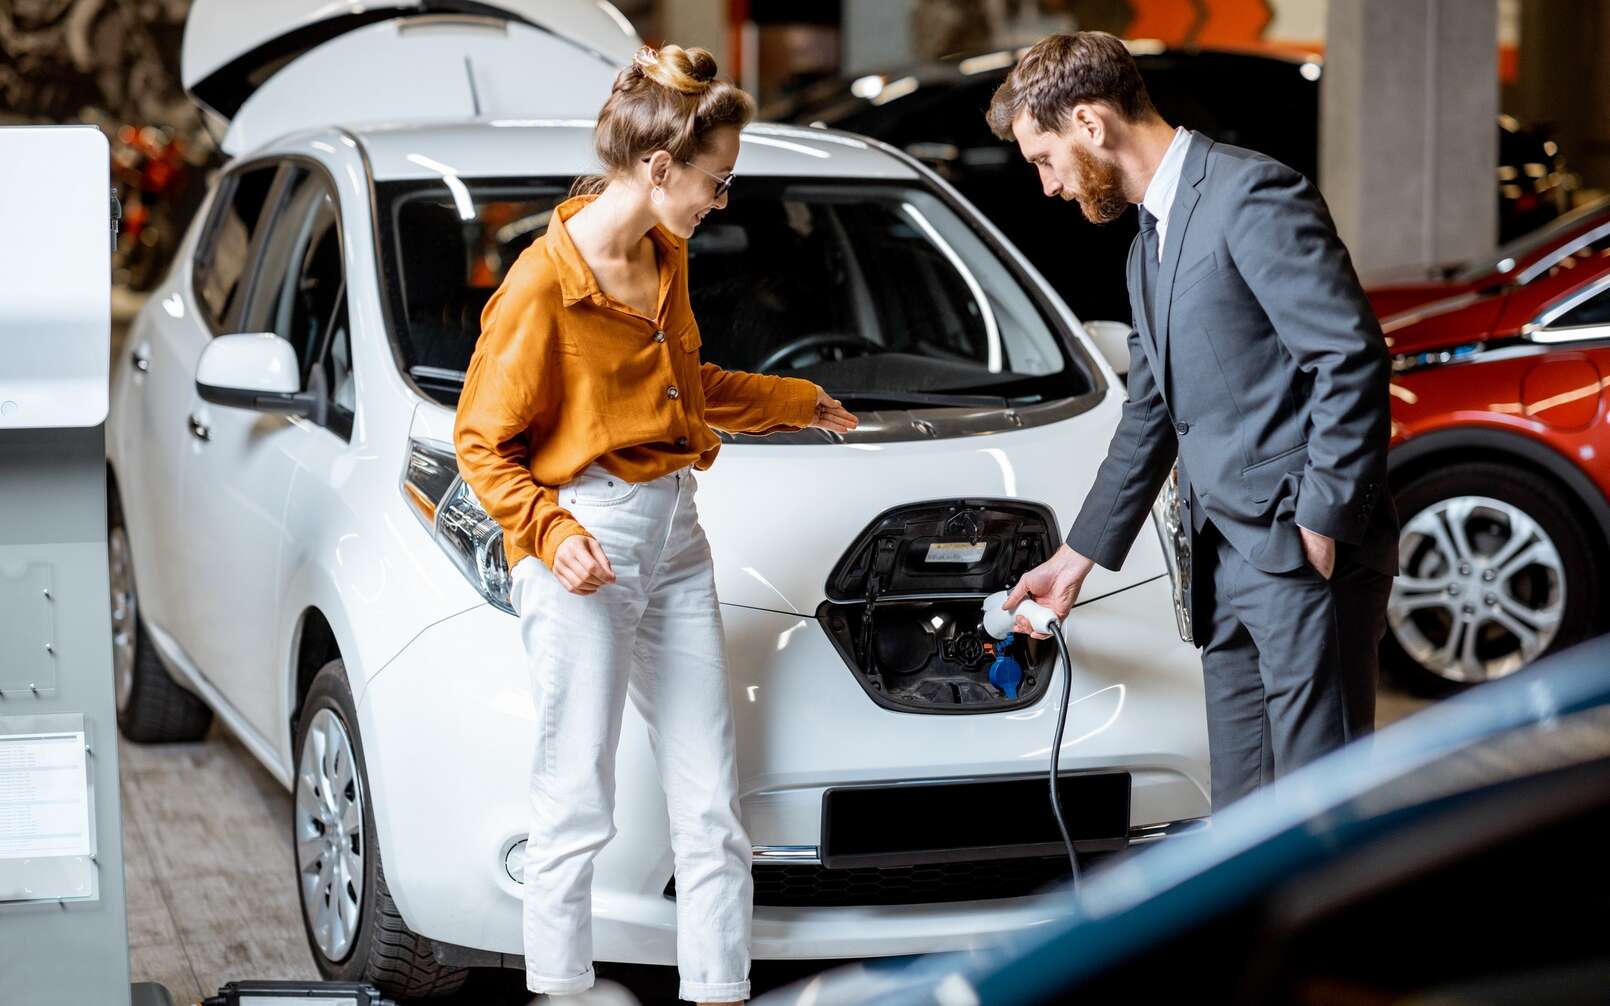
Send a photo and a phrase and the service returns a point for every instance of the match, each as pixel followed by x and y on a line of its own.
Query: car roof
pixel 504 148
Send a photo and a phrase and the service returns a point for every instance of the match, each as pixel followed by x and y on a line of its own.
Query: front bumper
pixel 447 729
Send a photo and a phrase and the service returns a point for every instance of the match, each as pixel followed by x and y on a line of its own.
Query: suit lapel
pixel 1186 197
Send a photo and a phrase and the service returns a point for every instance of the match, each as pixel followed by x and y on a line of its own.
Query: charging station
pixel 63 927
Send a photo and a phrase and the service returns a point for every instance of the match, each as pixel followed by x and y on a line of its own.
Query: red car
pixel 1501 463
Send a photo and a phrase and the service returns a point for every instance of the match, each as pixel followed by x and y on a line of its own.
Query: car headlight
pixel 1403 363
pixel 1169 522
pixel 456 520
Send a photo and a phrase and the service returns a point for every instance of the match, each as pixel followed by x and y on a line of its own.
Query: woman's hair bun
pixel 687 71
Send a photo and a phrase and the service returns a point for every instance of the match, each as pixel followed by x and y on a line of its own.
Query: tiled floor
pixel 207 856
pixel 208 860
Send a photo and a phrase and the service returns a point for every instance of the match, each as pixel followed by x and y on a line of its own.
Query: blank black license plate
pixel 948 822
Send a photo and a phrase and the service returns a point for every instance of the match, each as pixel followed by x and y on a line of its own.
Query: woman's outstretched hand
pixel 832 415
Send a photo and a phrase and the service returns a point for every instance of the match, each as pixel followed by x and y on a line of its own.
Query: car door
pixel 163 349
pixel 242 462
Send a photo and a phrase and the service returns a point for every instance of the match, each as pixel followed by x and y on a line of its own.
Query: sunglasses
pixel 723 184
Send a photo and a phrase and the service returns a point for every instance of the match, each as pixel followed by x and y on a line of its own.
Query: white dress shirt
pixel 1159 195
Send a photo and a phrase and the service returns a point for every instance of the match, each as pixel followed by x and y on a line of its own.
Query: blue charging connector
pixel 1006 673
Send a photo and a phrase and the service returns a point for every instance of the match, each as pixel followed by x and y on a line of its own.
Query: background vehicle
pixel 1501 469
pixel 1265 102
pixel 1449 837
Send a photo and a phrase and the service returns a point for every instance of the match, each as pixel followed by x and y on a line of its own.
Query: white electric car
pixel 292 549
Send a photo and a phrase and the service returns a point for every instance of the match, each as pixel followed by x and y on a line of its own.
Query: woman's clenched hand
pixel 581 565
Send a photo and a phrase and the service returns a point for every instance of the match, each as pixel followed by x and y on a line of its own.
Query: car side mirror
pixel 257 371
pixel 1112 340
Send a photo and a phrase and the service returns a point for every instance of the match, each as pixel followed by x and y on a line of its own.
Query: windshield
pixel 878 292
pixel 1594 217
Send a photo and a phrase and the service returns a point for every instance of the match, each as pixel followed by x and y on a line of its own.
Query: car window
pixel 299 290
pixel 1593 311
pixel 1597 214
pixel 337 365
pixel 226 247
pixel 299 270
pixel 1572 256
pixel 862 287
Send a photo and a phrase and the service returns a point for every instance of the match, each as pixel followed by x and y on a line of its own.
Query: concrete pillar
pixel 701 23
pixel 877 34
pixel 1408 128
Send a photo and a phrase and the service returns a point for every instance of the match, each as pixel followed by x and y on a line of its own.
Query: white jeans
pixel 655 634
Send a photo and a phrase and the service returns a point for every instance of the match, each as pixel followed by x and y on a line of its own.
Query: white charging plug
pixel 998 621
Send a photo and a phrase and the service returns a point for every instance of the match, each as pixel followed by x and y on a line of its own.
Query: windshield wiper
pixel 437 374
pixel 918 398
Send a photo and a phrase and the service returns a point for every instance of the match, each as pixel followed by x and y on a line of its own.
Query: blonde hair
pixel 667 99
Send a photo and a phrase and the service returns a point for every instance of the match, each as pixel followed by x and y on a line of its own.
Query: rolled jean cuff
pixel 559 986
pixel 713 992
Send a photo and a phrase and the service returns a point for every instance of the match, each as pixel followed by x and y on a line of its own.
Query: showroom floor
pixel 207 856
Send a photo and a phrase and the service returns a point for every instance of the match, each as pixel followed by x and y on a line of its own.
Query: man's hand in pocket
pixel 1321 551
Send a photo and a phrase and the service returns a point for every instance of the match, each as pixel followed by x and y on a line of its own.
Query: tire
pixel 354 931
pixel 151 706
pixel 1544 585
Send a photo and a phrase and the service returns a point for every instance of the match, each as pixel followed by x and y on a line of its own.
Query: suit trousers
pixel 655 636
pixel 1290 661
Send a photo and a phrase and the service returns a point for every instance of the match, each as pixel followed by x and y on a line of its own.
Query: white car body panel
pixel 454 806
pixel 239 540
pixel 218 32
pixel 446 66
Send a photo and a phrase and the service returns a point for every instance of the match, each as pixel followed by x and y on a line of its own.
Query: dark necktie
pixel 1148 269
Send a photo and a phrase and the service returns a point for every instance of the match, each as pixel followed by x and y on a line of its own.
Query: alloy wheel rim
pixel 1482 592
pixel 330 841
pixel 125 611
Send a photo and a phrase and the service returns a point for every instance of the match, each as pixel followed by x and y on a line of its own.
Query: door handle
pixel 141 359
pixel 198 429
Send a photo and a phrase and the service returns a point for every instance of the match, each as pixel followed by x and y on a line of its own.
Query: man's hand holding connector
pixel 1054 583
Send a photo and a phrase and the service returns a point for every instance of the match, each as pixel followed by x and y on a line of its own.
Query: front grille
pixel 801 885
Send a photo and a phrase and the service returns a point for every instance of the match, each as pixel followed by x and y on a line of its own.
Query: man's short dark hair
pixel 1061 71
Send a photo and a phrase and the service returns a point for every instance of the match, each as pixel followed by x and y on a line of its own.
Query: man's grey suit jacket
pixel 1260 365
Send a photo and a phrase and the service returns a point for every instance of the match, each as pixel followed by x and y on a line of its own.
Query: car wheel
pixel 151 706
pixel 353 927
pixel 1494 572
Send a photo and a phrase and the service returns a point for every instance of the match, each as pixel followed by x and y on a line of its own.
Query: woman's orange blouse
pixel 564 375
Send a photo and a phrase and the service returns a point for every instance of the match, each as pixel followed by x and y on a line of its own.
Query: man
pixel 1257 363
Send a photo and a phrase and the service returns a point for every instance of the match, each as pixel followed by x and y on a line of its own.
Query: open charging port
pixel 902 605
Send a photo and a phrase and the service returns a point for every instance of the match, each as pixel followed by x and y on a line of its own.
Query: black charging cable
pixel 1056 748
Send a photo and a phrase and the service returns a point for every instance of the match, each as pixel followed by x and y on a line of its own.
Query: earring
pixel 657 196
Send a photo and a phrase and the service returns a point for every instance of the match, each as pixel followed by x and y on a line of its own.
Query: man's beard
pixel 1101 192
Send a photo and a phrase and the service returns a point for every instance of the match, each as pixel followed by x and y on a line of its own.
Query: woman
pixel 585 411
